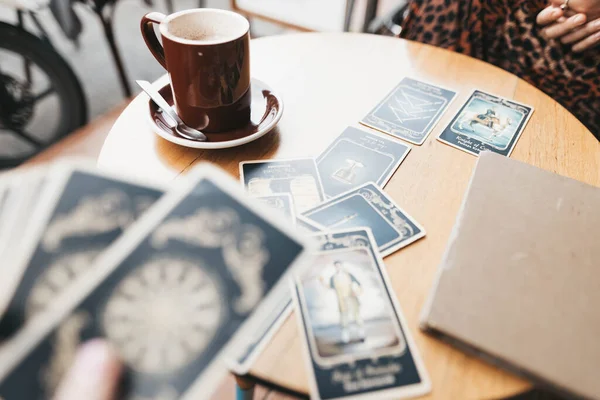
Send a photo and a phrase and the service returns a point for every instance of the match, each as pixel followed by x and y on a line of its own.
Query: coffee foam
pixel 207 25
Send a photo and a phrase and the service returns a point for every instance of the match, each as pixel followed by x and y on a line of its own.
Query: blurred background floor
pixel 92 61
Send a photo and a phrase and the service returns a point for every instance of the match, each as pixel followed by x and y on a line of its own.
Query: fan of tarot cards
pixel 190 281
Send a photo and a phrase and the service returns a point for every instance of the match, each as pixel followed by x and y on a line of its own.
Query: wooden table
pixel 330 81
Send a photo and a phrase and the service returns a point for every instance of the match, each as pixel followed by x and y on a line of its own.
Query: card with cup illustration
pixel 179 290
pixel 297 177
pixel 357 157
pixel 355 340
pixel 368 206
pixel 84 211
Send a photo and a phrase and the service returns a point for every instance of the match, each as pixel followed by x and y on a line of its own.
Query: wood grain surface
pixel 330 81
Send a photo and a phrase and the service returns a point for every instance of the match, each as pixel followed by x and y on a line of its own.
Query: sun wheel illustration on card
pixel 59 275
pixel 139 318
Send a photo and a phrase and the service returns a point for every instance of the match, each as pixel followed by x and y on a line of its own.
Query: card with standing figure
pixel 355 340
pixel 411 110
pixel 297 177
pixel 82 212
pixel 179 289
pixel 487 122
pixel 368 206
pixel 357 157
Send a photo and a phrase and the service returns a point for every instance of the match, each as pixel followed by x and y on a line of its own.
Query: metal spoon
pixel 180 127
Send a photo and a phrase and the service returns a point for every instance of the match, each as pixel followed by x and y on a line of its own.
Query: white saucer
pixel 266 111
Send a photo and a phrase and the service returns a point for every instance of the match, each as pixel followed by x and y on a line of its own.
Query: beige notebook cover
pixel 519 283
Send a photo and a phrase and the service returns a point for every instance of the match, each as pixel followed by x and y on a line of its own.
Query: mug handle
pixel 150 36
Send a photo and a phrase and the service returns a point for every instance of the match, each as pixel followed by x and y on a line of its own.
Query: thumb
pixel 93 376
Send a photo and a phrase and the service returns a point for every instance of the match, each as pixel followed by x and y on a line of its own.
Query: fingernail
pixel 556 13
pixel 579 19
pixel 596 23
pixel 93 357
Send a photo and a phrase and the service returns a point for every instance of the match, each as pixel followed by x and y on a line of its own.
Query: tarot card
pixel 84 211
pixel 487 122
pixel 3 195
pixel 282 202
pixel 240 363
pixel 173 295
pixel 355 338
pixel 3 209
pixel 298 177
pixel 357 157
pixel 411 110
pixel 241 360
pixel 368 206
pixel 22 194
pixel 306 226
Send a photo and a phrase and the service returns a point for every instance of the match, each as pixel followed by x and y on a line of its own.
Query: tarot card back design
pixel 89 213
pixel 172 294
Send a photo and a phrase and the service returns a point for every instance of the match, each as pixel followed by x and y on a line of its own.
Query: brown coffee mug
pixel 207 55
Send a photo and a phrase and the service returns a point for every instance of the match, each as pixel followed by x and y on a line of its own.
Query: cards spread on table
pixel 357 157
pixel 298 177
pixel 487 122
pixel 175 293
pixel 411 110
pixel 354 336
pixel 82 212
pixel 282 202
pixel 368 206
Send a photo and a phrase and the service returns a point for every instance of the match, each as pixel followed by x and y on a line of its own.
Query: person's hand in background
pixel 591 8
pixel 93 376
pixel 579 25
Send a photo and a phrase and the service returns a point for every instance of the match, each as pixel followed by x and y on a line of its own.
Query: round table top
pixel 330 81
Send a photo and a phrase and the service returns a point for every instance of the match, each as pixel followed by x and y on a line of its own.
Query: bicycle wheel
pixel 41 99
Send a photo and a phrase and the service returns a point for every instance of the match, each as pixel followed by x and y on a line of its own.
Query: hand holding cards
pixel 172 294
